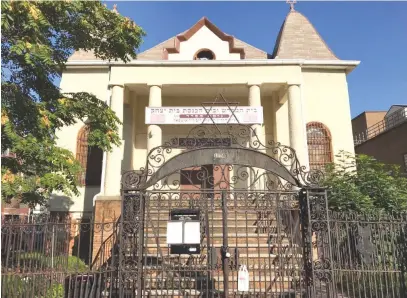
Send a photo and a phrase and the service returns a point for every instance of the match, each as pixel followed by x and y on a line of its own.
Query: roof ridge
pixel 276 49
pixel 249 44
pixel 172 44
pixel 231 35
pixel 158 45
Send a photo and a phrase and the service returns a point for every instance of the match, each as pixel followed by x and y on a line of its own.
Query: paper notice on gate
pixel 174 232
pixel 192 232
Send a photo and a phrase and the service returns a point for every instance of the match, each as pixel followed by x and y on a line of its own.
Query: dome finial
pixel 292 3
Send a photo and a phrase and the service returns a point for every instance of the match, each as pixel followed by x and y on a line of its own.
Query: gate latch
pixel 233 257
pixel 225 253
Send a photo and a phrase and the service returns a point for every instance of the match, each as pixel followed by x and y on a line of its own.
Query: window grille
pixel 319 145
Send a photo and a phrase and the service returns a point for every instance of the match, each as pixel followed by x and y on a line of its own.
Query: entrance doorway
pixel 197 178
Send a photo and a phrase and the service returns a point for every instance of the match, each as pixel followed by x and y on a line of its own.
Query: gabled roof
pixel 298 39
pixel 172 45
pixel 201 23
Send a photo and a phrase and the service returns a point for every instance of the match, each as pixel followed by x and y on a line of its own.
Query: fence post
pixel 306 241
pixel 316 233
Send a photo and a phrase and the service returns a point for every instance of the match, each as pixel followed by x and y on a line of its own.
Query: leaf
pixel 367 186
pixel 37 40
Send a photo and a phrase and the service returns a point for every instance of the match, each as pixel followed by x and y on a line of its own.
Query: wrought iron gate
pixel 259 229
pixel 250 203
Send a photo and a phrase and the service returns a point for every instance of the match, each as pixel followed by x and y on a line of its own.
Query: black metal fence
pixel 369 254
pixel 51 257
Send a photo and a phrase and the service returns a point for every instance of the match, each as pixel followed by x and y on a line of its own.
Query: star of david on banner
pixel 220 100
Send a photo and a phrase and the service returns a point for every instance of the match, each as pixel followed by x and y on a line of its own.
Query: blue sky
pixel 373 32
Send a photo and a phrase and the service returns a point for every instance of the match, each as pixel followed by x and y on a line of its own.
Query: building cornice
pixel 347 65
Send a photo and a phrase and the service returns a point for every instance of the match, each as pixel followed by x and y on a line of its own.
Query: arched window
pixel 90 158
pixel 319 145
pixel 204 54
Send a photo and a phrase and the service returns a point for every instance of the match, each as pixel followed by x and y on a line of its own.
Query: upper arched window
pixel 319 145
pixel 90 158
pixel 204 54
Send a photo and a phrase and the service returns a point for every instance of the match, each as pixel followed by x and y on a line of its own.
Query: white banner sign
pixel 198 115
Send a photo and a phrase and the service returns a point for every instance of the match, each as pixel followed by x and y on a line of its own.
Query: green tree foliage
pixel 363 184
pixel 32 285
pixel 37 39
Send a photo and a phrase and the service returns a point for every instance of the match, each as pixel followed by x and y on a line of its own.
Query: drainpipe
pixel 102 180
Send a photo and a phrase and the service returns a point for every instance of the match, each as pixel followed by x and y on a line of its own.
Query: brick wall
pixel 107 212
pixel 365 120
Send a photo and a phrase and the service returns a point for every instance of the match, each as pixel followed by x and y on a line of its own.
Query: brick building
pixel 383 135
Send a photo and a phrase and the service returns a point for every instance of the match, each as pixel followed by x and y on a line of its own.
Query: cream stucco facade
pixel 293 92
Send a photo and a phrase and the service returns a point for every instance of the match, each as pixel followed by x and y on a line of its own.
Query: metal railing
pixel 369 254
pixel 386 124
pixel 108 249
pixel 52 258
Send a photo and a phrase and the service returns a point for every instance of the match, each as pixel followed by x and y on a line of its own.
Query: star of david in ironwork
pixel 220 100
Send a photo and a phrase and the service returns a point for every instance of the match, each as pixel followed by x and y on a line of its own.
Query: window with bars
pixel 90 158
pixel 319 145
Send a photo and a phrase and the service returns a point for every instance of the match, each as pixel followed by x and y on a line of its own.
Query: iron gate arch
pixel 258 206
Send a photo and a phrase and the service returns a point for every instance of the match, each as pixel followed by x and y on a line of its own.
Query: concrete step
pixel 262 286
pixel 254 275
pixel 233 229
pixel 283 244
pixel 153 257
pixel 216 293
pixel 243 223
pixel 213 217
pixel 161 232
pixel 213 210
pixel 203 268
pixel 277 292
pixel 252 240
pixel 217 238
pixel 242 250
pixel 250 250
pixel 231 244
